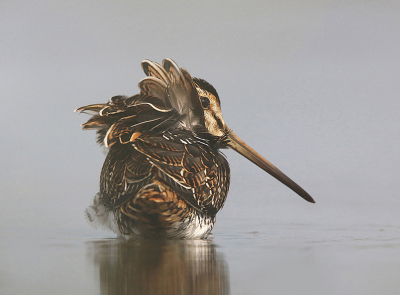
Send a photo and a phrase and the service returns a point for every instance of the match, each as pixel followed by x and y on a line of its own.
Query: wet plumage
pixel 163 174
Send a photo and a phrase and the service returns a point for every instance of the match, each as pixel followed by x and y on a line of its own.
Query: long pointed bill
pixel 242 148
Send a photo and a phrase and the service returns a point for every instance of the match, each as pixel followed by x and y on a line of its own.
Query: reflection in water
pixel 159 267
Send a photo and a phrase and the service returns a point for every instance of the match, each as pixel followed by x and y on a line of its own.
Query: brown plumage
pixel 163 174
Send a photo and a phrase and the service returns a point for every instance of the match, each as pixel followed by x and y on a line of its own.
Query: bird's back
pixel 158 178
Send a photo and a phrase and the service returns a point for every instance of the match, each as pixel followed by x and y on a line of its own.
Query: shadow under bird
pixel 163 175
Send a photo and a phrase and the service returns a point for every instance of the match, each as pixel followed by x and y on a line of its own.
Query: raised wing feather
pixel 180 91
pixel 123 119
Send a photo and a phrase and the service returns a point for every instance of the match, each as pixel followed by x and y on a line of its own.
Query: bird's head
pixel 209 100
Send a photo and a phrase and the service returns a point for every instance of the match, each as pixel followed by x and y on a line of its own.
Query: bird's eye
pixel 205 102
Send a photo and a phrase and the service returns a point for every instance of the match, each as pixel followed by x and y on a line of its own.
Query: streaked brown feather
pixel 188 170
pixel 154 69
pixel 154 87
pixel 156 207
pixel 157 171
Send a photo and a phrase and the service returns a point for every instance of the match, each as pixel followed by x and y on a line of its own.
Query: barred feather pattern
pixel 160 176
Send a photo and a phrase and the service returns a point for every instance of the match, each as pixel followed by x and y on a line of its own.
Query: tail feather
pixel 92 109
pixel 124 119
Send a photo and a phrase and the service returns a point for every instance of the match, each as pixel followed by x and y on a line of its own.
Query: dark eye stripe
pixel 219 122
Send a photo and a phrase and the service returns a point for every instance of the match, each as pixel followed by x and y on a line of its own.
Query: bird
pixel 164 175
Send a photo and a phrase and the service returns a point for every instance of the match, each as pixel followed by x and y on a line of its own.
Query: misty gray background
pixel 311 85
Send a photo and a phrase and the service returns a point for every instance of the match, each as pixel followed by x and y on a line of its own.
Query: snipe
pixel 163 174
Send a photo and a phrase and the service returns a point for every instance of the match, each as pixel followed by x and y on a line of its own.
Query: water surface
pixel 279 259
